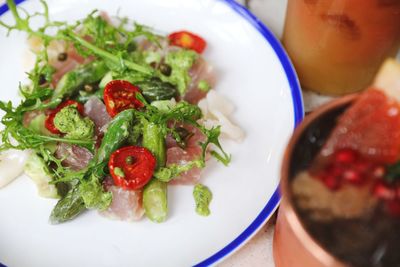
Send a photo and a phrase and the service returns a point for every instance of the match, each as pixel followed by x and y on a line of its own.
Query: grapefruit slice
pixel 371 126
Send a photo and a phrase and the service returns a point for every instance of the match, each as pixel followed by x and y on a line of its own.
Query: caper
pixel 165 69
pixel 129 160
pixel 42 79
pixel 62 56
pixel 88 88
pixel 153 64
pixel 131 47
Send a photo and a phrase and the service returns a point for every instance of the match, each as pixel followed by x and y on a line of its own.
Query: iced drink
pixel 337 46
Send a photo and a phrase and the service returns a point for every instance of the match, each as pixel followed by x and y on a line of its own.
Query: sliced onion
pixel 217 110
pixel 12 164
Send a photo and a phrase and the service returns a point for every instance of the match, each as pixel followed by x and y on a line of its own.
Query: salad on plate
pixel 113 113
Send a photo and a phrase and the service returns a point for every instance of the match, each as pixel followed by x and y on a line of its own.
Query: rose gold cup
pixel 293 246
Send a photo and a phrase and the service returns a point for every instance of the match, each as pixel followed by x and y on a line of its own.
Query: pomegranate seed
pixel 332 182
pixel 346 156
pixel 334 170
pixel 378 172
pixel 362 166
pixel 353 176
pixel 393 207
pixel 384 191
pixel 398 192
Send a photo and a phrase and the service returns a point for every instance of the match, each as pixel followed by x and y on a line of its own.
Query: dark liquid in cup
pixel 371 239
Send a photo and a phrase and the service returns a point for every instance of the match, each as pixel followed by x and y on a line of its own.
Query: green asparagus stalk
pixel 155 200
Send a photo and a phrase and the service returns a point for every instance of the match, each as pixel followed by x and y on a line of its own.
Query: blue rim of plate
pixel 298 110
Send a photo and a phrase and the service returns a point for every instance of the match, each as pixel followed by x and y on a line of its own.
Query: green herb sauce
pixel 69 121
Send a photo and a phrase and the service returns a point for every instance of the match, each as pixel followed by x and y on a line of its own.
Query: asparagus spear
pixel 155 200
pixel 117 133
pixel 68 207
pixel 74 80
pixel 89 193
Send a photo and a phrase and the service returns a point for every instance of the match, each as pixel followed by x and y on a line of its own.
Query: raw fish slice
pixel 73 156
pixel 96 111
pixel 181 156
pixel 201 70
pixel 177 155
pixel 126 205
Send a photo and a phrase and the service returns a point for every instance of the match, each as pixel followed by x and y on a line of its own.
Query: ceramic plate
pixel 253 71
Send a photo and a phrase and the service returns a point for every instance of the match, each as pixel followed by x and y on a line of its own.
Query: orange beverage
pixel 337 46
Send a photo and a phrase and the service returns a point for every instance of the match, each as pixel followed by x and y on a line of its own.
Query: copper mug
pixel 293 246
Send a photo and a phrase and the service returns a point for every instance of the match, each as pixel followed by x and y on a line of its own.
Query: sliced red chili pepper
pixel 187 40
pixel 49 122
pixel 120 95
pixel 132 167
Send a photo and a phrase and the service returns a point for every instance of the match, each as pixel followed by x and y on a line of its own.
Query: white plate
pixel 253 71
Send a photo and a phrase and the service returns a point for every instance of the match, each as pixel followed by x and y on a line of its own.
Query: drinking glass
pixel 337 46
